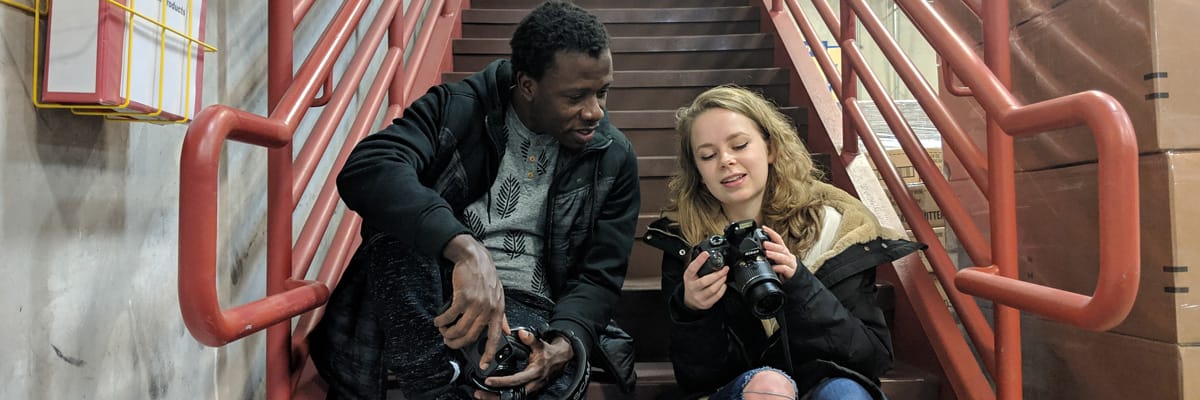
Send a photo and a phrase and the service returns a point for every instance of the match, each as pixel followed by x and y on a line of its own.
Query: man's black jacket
pixel 413 180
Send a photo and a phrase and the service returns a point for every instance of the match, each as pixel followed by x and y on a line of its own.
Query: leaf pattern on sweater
pixel 510 195
pixel 514 244
pixel 474 223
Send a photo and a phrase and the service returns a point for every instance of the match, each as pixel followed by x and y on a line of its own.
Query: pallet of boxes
pixel 1143 54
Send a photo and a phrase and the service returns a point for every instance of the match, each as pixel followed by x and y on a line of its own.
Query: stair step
pixel 645 261
pixel 906 382
pixel 656 90
pixel 748 50
pixel 654 380
pixel 602 4
pixel 642 313
pixel 622 22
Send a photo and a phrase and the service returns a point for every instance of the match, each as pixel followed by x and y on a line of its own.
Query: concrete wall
pixel 89 217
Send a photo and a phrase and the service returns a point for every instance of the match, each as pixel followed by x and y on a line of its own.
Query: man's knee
pixel 769 385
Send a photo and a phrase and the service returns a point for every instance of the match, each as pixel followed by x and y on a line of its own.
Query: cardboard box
pixel 1057 217
pixel 1063 362
pixel 939 231
pixel 1140 52
pixel 941 237
pixel 925 201
pixel 905 167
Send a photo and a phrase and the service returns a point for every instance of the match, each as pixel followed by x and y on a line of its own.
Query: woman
pixel 741 159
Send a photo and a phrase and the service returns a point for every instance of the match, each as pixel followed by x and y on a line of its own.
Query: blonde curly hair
pixel 788 206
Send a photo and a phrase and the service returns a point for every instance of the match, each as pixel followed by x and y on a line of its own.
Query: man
pixel 506 200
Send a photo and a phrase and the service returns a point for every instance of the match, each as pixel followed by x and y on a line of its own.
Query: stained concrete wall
pixel 89 214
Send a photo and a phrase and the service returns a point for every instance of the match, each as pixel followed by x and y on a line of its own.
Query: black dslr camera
pixel 512 356
pixel 742 250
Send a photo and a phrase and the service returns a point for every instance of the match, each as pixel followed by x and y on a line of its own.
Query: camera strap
pixel 577 389
pixel 783 337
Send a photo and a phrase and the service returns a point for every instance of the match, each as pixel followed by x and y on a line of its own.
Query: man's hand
pixel 478 299
pixel 702 292
pixel 546 361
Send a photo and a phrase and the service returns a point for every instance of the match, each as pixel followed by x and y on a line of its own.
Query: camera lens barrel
pixel 760 287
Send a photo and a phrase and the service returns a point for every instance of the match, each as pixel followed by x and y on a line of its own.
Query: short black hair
pixel 551 27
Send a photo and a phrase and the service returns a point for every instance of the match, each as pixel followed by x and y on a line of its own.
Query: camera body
pixel 511 357
pixel 741 248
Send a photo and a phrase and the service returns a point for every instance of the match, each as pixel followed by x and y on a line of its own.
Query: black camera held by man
pixel 511 357
pixel 741 248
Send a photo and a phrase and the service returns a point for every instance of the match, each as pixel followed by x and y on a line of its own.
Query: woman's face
pixel 732 158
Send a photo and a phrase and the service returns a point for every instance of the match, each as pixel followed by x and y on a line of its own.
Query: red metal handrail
pixel 290 97
pixel 199 164
pixel 1119 266
pixel 973 320
pixel 971 316
pixel 1119 246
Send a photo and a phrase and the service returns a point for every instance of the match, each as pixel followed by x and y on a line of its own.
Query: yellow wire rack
pixel 24 7
pixel 117 112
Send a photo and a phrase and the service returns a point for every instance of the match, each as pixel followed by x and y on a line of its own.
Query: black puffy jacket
pixel 834 326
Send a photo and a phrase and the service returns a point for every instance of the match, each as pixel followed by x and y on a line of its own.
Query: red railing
pixel 987 81
pixel 290 96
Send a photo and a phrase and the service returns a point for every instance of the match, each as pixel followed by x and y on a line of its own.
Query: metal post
pixel 280 25
pixel 396 40
pixel 849 80
pixel 1003 204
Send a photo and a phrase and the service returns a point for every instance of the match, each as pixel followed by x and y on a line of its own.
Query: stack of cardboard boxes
pixel 1141 53
pixel 917 188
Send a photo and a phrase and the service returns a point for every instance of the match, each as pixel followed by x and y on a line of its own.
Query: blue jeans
pixel 838 388
pixel 829 389
pixel 733 390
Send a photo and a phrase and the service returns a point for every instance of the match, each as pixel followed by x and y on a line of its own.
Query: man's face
pixel 569 101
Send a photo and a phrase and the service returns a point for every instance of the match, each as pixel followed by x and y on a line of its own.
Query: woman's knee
pixel 769 385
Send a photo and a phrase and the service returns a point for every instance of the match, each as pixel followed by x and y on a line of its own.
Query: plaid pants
pixel 378 331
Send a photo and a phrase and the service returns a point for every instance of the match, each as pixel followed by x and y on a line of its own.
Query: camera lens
pixel 760 286
pixel 767 300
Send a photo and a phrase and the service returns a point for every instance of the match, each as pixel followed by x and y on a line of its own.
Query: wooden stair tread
pixel 641 44
pixel 593 5
pixel 644 284
pixel 665 119
pixel 625 15
pixel 681 78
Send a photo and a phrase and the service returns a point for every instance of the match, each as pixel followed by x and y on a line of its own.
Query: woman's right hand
pixel 702 292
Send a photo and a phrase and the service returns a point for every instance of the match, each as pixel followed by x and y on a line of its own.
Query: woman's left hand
pixel 783 262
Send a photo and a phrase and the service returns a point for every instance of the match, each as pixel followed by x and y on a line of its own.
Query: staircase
pixel 665 52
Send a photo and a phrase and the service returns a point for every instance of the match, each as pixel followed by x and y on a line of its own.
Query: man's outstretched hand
pixel 478 299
